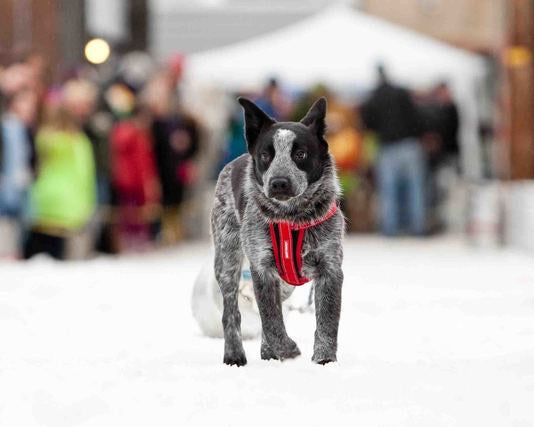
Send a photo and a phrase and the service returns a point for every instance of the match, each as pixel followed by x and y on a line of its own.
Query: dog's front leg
pixel 328 281
pixel 275 342
pixel 227 272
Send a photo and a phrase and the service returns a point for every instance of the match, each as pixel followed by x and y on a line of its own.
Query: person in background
pixel 80 97
pixel 16 77
pixel 135 180
pixel 448 123
pixel 176 138
pixel 15 165
pixel 63 197
pixel 440 140
pixel 273 101
pixel 391 113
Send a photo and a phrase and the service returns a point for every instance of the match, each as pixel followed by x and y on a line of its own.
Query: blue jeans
pixel 402 165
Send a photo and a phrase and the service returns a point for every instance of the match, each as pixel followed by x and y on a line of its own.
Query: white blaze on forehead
pixel 283 165
pixel 283 141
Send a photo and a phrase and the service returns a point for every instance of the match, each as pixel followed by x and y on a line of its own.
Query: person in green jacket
pixel 63 197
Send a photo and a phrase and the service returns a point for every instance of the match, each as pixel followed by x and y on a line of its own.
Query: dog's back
pixel 238 176
pixel 230 199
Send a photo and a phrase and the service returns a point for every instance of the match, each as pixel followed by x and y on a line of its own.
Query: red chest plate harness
pixel 287 239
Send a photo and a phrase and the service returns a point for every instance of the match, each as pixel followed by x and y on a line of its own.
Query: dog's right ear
pixel 315 117
pixel 256 121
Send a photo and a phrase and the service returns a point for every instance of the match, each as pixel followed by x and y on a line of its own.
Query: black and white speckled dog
pixel 287 176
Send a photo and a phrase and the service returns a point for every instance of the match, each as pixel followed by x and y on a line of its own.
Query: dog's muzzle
pixel 280 188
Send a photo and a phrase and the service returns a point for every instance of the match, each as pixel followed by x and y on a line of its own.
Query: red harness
pixel 287 255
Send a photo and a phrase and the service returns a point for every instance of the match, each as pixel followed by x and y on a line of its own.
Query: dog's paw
pixel 324 361
pixel 266 353
pixel 235 359
pixel 289 350
pixel 324 357
pixel 286 349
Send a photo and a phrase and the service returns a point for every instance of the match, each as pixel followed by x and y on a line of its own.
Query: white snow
pixel 433 334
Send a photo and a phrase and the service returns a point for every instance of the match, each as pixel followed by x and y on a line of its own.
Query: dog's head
pixel 288 156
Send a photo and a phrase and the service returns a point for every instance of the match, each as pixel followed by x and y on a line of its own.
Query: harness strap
pixel 331 211
pixel 287 254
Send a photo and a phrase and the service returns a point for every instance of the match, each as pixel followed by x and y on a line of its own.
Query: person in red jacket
pixel 135 180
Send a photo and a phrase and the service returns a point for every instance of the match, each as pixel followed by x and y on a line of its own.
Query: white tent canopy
pixel 337 46
pixel 340 46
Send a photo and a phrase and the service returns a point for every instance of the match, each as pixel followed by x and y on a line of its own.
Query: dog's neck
pixel 311 205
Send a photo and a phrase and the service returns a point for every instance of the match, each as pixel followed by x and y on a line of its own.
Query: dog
pixel 278 206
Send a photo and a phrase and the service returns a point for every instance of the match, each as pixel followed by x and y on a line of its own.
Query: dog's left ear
pixel 315 117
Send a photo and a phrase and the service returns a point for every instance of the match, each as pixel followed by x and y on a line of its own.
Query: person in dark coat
pixel 391 113
pixel 442 123
pixel 448 122
pixel 176 139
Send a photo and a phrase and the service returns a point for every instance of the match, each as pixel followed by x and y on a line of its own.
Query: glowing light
pixel 517 56
pixel 97 51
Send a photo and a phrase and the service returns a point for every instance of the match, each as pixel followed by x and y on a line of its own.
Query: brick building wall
pixel 52 28
pixel 477 25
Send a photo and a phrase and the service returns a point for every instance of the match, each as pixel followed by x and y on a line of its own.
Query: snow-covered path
pixel 432 334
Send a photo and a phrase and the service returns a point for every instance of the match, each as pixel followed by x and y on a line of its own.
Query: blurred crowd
pixel 108 163
pixel 390 148
pixel 93 164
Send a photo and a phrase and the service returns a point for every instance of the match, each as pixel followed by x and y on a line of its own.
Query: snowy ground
pixel 432 334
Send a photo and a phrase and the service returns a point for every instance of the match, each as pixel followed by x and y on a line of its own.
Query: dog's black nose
pixel 279 185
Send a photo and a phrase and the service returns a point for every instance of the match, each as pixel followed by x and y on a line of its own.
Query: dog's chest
pixel 266 250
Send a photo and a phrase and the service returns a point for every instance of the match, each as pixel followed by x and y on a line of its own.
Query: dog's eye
pixel 300 155
pixel 265 156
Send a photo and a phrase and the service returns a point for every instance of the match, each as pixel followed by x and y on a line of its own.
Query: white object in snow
pixel 207 303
